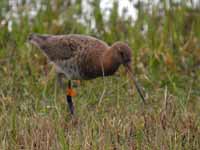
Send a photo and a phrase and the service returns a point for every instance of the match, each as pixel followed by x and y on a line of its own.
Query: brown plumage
pixel 84 57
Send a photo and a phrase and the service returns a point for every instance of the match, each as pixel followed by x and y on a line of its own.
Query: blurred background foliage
pixel 165 38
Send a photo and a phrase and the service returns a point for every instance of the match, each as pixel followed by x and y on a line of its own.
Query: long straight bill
pixel 137 85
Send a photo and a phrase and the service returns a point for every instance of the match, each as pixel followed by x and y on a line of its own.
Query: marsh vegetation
pixel 165 39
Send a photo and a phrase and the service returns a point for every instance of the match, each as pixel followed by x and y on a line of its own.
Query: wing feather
pixel 62 47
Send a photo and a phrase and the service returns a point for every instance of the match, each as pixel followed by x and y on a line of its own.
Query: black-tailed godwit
pixel 80 57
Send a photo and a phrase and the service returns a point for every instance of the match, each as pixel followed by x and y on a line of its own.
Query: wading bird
pixel 80 57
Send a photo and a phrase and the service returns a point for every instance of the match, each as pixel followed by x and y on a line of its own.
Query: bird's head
pixel 123 54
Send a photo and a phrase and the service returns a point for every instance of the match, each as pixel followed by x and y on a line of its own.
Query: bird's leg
pixel 60 81
pixel 70 93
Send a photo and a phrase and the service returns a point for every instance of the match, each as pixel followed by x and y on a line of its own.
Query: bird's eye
pixel 125 58
pixel 121 54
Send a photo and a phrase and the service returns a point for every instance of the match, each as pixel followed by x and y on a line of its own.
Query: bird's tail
pixel 37 39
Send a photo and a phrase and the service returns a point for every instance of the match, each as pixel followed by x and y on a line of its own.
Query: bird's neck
pixel 110 62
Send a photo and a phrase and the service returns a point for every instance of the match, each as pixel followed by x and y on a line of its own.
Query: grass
pixel 109 114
